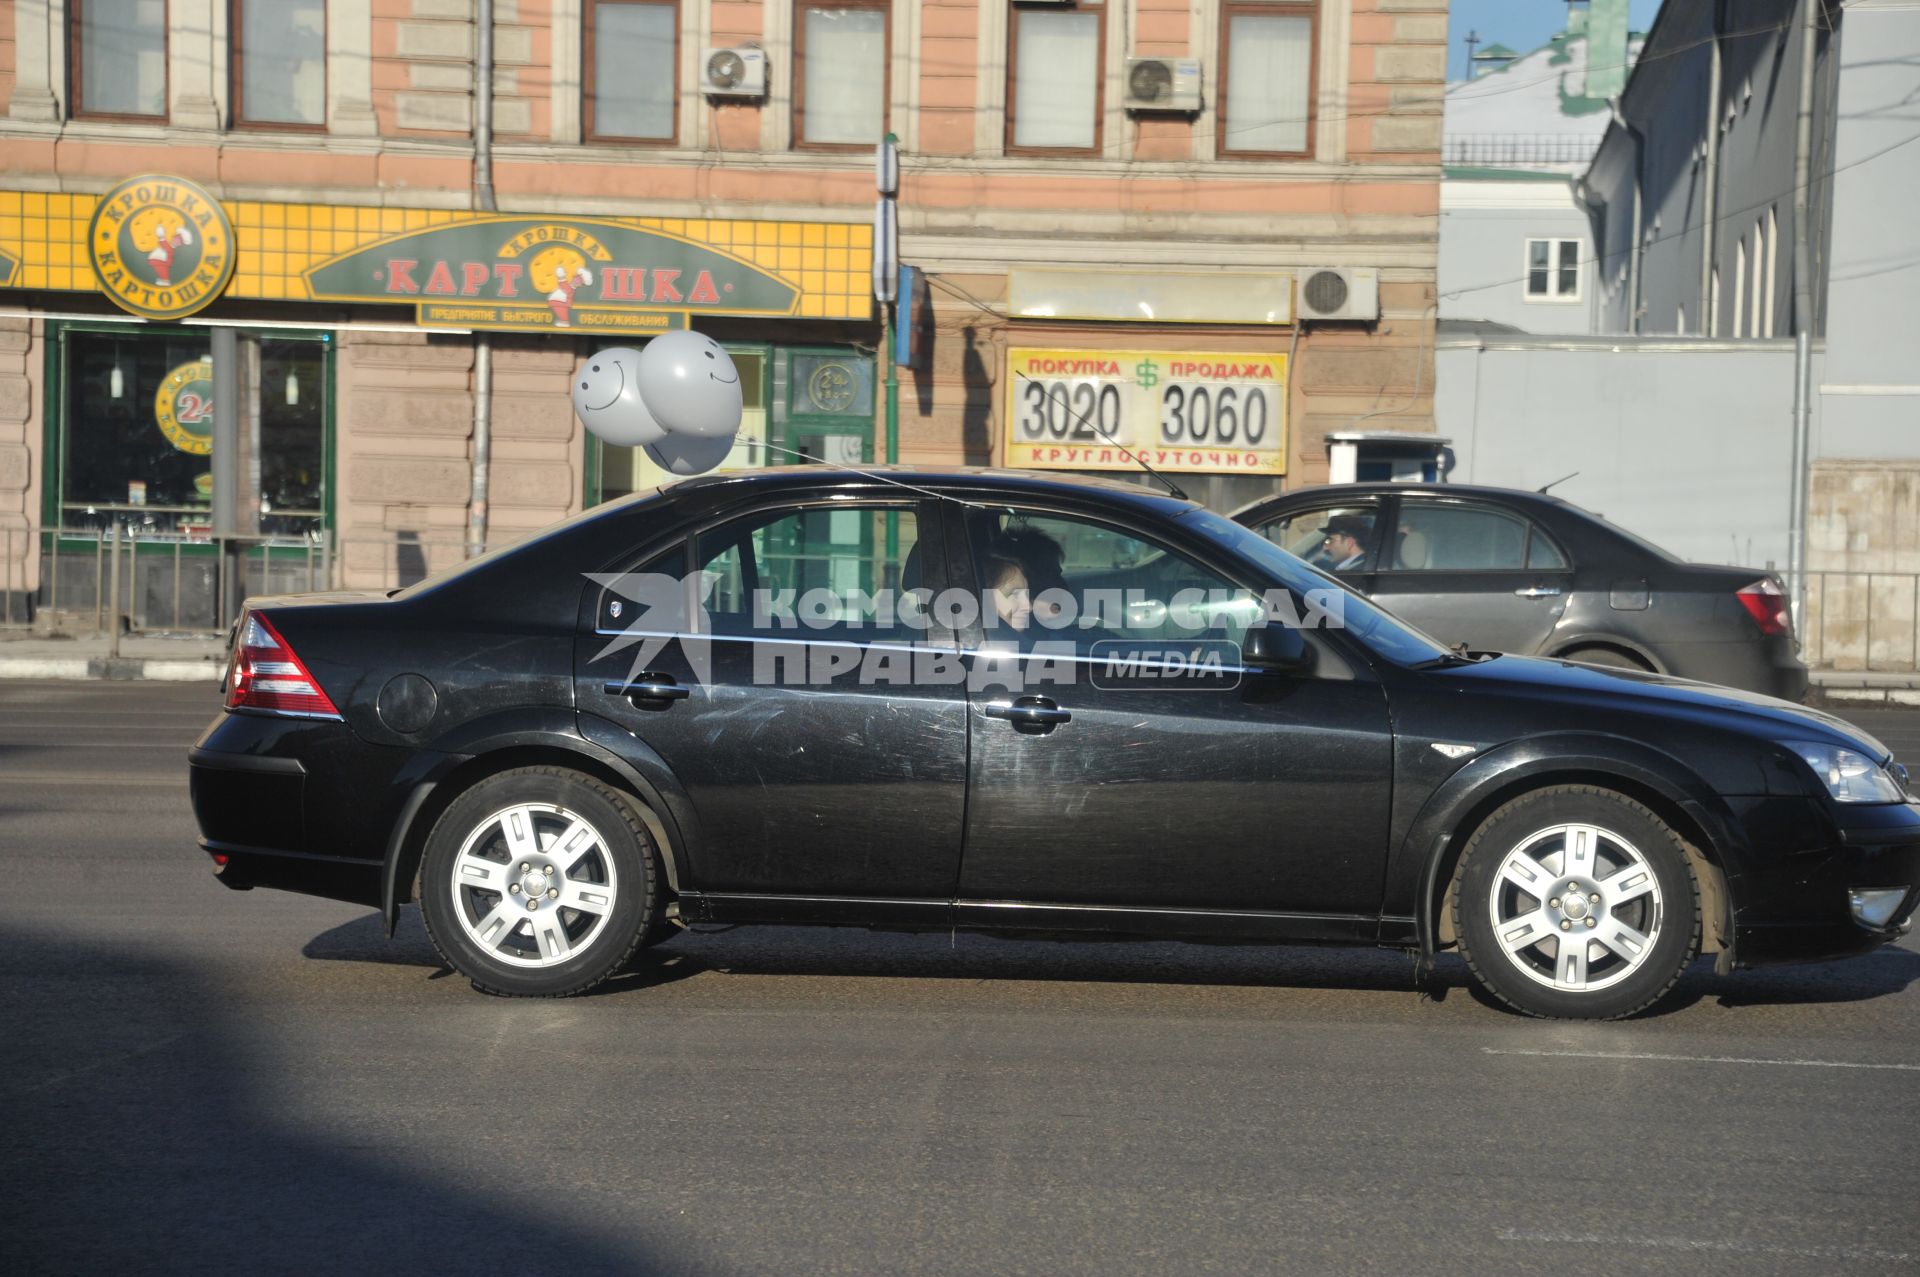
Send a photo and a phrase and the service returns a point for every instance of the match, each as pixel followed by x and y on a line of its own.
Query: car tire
pixel 1607 658
pixel 1635 907
pixel 534 839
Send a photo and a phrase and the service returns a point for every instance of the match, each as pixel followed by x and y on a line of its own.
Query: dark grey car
pixel 1507 571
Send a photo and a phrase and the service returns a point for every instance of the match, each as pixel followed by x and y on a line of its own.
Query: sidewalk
pixel 172 659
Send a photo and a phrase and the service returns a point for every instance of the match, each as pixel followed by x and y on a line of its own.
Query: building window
pixel 136 440
pixel 280 63
pixel 1740 288
pixel 633 71
pixel 1553 270
pixel 1053 79
pixel 841 78
pixel 119 58
pixel 1266 81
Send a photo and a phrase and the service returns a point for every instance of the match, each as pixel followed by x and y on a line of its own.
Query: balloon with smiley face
pixel 689 454
pixel 690 385
pixel 607 398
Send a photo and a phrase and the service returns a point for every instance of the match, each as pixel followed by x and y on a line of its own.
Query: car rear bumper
pixel 297 804
pixel 1767 665
pixel 1799 909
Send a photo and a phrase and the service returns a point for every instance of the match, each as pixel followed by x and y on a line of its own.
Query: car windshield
pixel 1385 635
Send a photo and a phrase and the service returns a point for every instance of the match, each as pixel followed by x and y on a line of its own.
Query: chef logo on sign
pixel 160 246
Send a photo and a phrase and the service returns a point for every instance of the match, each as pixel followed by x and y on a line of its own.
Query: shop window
pixel 292 434
pixel 1266 85
pixel 1053 79
pixel 633 71
pixel 1553 270
pixel 841 74
pixel 136 442
pixel 280 63
pixel 118 58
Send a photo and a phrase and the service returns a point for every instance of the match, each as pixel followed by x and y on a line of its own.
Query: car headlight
pixel 1850 776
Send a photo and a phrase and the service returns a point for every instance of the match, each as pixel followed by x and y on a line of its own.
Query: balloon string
pixel 869 474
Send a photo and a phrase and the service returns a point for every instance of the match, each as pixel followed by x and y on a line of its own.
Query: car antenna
pixel 1087 419
pixel 1557 482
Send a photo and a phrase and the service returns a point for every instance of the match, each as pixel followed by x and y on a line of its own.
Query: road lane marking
pixel 1700 1059
pixel 1704 1244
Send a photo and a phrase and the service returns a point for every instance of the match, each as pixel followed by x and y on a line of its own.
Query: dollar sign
pixel 1147 373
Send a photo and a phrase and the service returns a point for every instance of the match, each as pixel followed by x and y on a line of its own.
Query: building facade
pixel 1697 203
pixel 1108 202
pixel 1516 252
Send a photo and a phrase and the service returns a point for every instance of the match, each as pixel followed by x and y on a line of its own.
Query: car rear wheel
pixel 538 882
pixel 1608 658
pixel 1576 903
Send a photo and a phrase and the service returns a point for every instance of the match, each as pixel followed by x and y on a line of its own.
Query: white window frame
pixel 1553 296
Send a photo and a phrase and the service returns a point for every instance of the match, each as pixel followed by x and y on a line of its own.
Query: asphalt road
pixel 257 1082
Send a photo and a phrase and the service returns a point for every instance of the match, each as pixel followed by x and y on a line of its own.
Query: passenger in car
pixel 1007 586
pixel 1042 560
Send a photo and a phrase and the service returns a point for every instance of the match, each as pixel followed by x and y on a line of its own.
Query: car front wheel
pixel 1576 903
pixel 538 882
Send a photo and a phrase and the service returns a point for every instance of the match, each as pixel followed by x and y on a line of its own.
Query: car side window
pixel 821 574
pixel 1053 578
pixel 1335 538
pixel 1542 553
pixel 1435 537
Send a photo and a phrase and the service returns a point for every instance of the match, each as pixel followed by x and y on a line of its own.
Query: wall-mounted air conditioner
pixel 1339 292
pixel 1163 84
pixel 734 73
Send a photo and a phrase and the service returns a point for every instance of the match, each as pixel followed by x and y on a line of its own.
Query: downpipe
pixel 1802 316
pixel 482 344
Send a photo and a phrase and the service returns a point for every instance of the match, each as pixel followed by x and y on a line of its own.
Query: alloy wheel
pixel 533 885
pixel 1575 907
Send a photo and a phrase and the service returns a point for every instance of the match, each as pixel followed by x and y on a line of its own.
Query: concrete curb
pixel 121 670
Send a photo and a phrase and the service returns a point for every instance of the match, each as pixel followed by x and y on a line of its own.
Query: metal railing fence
pixel 1516 150
pixel 1867 621
pixel 79 580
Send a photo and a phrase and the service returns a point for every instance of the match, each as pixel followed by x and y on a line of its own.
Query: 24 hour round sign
pixel 1197 413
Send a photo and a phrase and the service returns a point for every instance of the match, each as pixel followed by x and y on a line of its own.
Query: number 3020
pixel 1200 412
pixel 1083 410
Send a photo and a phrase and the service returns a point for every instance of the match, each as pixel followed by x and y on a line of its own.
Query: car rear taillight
pixel 267 674
pixel 1767 605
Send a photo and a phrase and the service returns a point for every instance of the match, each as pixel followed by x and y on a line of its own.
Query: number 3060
pixel 1200 412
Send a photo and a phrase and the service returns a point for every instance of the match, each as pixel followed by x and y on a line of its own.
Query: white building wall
pixel 1684 442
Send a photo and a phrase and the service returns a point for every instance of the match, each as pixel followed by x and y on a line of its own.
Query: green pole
pixel 893 422
pixel 893 387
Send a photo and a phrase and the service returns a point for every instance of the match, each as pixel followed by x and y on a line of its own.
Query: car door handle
pixel 650 687
pixel 1030 713
pixel 1538 591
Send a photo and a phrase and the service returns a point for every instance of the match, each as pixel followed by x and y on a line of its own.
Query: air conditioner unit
pixel 734 73
pixel 1163 84
pixel 1339 292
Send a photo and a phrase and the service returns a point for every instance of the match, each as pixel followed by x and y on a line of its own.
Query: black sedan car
pixel 1524 572
pixel 1012 703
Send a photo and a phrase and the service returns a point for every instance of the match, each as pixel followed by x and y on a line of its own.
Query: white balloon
pixel 690 385
pixel 689 454
pixel 608 402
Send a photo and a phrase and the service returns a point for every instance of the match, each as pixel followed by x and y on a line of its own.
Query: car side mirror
pixel 1280 648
